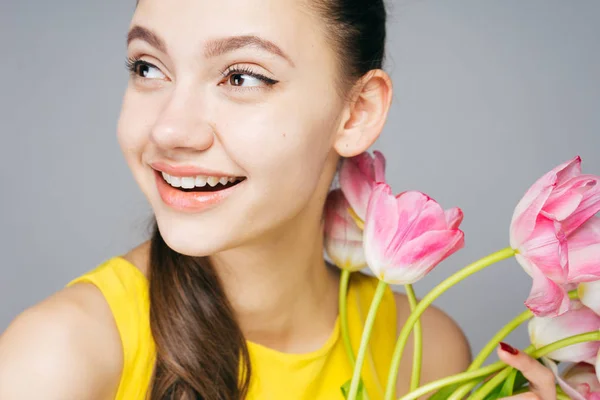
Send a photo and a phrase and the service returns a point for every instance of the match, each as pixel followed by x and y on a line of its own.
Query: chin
pixel 188 238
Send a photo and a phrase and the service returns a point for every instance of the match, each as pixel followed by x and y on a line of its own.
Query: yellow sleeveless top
pixel 275 375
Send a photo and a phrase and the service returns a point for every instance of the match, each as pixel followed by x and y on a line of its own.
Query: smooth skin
pixel 186 107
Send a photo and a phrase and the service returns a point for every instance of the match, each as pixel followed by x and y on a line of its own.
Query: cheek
pixel 278 139
pixel 283 151
pixel 133 127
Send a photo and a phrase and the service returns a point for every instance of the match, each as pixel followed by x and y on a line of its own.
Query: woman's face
pixel 225 89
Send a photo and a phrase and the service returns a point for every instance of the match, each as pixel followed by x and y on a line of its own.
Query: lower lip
pixel 190 201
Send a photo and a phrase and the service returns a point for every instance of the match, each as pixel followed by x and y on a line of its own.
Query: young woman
pixel 234 121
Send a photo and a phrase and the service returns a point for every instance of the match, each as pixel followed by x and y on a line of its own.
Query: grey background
pixel 489 95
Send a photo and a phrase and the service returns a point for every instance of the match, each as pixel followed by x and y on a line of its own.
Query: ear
pixel 366 114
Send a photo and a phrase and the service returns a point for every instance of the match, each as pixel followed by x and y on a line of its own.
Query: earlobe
pixel 366 114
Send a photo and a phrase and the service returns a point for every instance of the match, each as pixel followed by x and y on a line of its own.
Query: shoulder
pixel 66 347
pixel 446 350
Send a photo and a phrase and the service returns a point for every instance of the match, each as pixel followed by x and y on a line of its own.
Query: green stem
pixel 492 383
pixel 498 337
pixel 499 365
pixel 415 378
pixel 344 279
pixel 426 302
pixel 559 344
pixel 454 379
pixel 488 349
pixel 462 377
pixel 364 341
pixel 492 344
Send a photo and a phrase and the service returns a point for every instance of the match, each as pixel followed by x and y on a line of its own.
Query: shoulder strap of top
pixel 383 336
pixel 125 289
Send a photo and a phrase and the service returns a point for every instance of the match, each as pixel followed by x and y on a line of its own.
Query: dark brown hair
pixel 201 350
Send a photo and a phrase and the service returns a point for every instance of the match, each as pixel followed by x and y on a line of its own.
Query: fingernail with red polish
pixel 508 348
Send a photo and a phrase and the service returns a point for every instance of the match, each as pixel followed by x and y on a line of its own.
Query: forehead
pixel 185 25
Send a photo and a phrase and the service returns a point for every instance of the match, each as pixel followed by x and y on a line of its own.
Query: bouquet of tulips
pixel 554 236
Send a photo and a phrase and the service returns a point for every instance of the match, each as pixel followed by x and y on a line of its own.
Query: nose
pixel 183 123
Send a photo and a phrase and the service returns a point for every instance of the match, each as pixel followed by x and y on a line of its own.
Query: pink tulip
pixel 579 381
pixel 343 239
pixel 358 176
pixel 555 232
pixel 582 378
pixel 578 319
pixel 406 236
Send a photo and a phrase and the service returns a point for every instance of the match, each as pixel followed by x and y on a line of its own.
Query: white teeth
pixel 201 181
pixel 212 181
pixel 175 181
pixel 189 182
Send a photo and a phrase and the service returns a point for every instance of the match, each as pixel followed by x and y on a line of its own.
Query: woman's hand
pixel 541 379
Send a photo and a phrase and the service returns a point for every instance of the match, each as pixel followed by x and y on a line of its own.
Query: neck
pixel 283 293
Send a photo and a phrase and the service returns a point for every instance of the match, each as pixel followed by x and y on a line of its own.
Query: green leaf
pixel 345 388
pixel 509 384
pixel 494 394
pixel 445 392
pixel 520 381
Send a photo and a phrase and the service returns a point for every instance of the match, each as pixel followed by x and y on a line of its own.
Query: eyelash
pixel 132 64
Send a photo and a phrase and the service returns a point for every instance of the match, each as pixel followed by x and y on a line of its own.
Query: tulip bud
pixel 406 236
pixel 343 239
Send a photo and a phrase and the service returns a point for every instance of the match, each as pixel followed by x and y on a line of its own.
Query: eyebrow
pixel 213 47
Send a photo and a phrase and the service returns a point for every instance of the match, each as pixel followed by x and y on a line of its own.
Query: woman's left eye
pixel 246 78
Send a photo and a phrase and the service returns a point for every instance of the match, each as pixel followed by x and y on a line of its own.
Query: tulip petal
pixel 342 238
pixel 364 162
pixel 584 264
pixel 582 376
pixel 338 221
pixel 584 252
pixel 546 297
pixel 340 228
pixel 578 319
pixel 405 236
pixel 565 199
pixel 547 248
pixel 570 391
pixel 589 295
pixel 568 170
pixel 357 177
pixel 418 213
pixel 381 224
pixel 454 217
pixel 346 254
pixel 418 257
pixel 379 167
pixel 586 235
pixel 527 210
pixel 589 206
pixel 597 366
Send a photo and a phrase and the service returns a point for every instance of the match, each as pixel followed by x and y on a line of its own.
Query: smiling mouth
pixel 201 183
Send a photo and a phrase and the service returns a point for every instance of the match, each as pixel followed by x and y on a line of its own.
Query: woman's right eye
pixel 143 69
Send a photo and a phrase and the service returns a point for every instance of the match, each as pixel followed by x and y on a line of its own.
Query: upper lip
pixel 188 170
